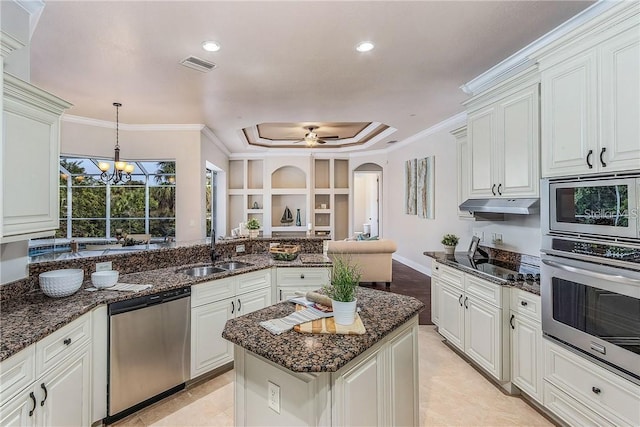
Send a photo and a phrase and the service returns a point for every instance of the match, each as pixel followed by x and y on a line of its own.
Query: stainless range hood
pixel 502 206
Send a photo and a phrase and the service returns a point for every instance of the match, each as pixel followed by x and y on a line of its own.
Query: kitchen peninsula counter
pixel 329 379
pixel 28 318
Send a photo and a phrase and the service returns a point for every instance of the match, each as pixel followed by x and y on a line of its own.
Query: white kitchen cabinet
pixel 590 100
pixel 435 292
pixel 290 280
pixel 30 160
pixel 471 319
pixel 50 384
pixel 576 389
pixel 215 302
pixel 526 343
pixel 462 153
pixel 503 140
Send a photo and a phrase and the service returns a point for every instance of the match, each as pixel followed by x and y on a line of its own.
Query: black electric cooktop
pixel 501 269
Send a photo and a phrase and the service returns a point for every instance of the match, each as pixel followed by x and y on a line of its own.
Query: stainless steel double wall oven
pixel 590 273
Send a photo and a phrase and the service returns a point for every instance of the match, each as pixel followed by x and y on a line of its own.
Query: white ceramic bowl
pixel 61 283
pixel 104 279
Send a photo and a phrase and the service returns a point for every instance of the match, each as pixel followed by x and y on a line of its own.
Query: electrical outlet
pixel 496 238
pixel 239 248
pixel 273 391
pixel 104 266
pixel 479 235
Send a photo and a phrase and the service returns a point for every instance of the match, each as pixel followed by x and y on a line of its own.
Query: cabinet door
pixel 526 356
pixel 30 170
pixel 359 394
pixel 483 335
pixel 208 349
pixel 67 399
pixel 518 124
pixel 482 162
pixel 569 116
pixel 620 127
pixel 253 301
pixel 404 378
pixel 462 152
pixel 16 412
pixel 286 292
pixel 451 315
pixel 435 301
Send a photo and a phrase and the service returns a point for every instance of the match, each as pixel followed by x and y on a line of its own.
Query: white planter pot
pixel 254 233
pixel 449 250
pixel 344 313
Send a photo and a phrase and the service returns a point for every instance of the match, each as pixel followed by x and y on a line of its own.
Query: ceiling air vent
pixel 198 64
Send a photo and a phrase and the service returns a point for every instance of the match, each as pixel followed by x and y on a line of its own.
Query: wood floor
pixel 407 281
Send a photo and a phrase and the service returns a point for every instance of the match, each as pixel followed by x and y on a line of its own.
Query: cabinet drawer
pixel 593 386
pixel 570 410
pixel 453 276
pixel 215 290
pixel 484 290
pixel 17 372
pixel 60 344
pixel 526 303
pixel 303 276
pixel 254 280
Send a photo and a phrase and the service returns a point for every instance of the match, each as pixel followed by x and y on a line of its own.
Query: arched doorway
pixel 367 199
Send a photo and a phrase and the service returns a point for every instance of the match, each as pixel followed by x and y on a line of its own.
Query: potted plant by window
pixel 253 225
pixel 450 241
pixel 342 290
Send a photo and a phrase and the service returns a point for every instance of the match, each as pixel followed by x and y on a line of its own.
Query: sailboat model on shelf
pixel 287 217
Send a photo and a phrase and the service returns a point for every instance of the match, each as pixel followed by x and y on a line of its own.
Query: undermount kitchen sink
pixel 233 265
pixel 202 270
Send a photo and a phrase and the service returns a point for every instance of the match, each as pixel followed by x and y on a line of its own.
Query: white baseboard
pixel 409 263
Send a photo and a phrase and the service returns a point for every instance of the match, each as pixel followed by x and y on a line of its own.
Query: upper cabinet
pixel 30 160
pixel 503 139
pixel 591 98
pixel 462 151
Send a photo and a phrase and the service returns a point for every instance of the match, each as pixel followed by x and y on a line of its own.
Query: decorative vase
pixel 449 250
pixel 254 233
pixel 298 222
pixel 344 313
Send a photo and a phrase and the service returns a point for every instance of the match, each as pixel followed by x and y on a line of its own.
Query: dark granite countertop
pixel 450 261
pixel 381 313
pixel 31 317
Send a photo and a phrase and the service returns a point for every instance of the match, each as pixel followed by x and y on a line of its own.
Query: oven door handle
pixel 591 273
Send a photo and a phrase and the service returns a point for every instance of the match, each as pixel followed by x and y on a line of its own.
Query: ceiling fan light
pixel 211 46
pixel 364 46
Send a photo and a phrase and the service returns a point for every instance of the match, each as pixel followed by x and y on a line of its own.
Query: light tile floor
pixel 452 393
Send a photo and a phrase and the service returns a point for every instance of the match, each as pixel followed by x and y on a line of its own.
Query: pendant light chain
pixel 121 170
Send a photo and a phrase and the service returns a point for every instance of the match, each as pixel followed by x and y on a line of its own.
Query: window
pixel 211 194
pixel 91 208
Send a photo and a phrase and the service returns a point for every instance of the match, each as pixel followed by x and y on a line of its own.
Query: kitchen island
pixel 327 379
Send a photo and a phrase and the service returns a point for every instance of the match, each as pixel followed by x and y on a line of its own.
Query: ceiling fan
pixel 311 138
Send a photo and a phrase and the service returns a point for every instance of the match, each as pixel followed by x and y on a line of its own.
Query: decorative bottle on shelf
pixel 298 222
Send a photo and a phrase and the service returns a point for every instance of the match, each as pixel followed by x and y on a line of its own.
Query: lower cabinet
pixel 435 293
pixel 471 319
pixel 290 280
pixel 215 302
pixel 583 393
pixel 526 343
pixel 59 395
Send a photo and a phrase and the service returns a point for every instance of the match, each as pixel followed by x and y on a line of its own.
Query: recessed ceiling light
pixel 364 46
pixel 211 46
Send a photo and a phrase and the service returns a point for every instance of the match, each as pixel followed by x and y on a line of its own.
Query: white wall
pixel 14 261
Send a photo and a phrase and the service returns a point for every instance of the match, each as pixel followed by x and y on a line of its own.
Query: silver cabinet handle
pixel 596 274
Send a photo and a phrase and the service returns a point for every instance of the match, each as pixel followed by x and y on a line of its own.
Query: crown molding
pixel 208 133
pixel 452 122
pixel 8 44
pixel 129 127
pixel 522 58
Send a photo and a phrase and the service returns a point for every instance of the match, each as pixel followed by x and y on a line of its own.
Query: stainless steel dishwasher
pixel 149 350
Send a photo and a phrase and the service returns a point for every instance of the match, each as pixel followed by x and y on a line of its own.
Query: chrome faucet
pixel 214 255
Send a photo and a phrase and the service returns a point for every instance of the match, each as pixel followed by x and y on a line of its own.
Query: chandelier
pixel 121 170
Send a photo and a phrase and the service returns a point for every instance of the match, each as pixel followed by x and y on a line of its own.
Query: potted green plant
pixel 253 225
pixel 342 290
pixel 450 241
